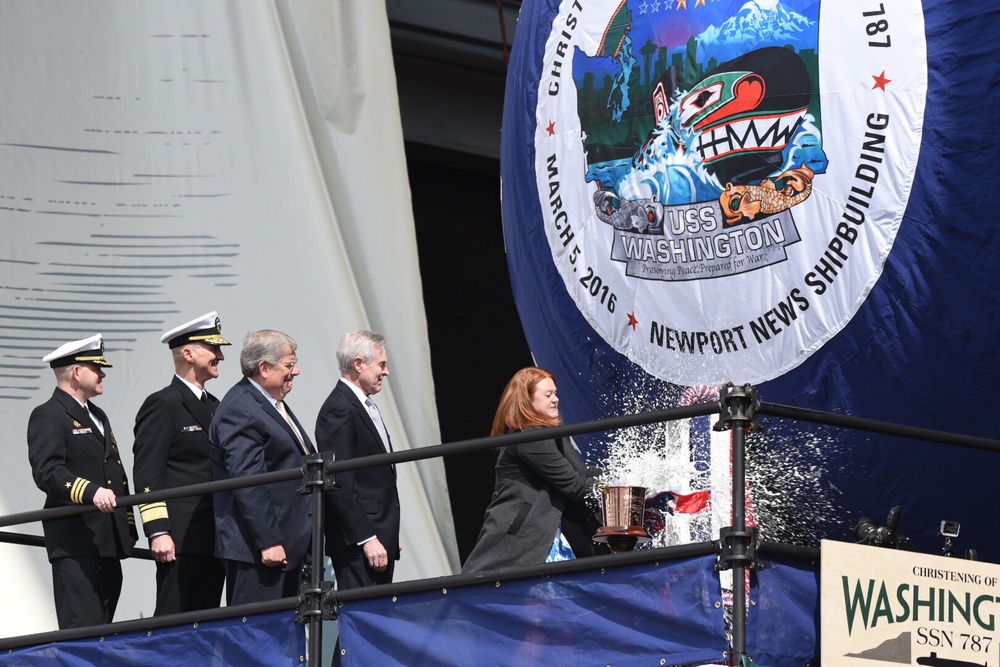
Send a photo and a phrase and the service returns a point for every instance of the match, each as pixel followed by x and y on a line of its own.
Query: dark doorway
pixel 475 333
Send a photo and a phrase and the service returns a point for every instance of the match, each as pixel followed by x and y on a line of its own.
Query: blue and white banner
pixel 786 193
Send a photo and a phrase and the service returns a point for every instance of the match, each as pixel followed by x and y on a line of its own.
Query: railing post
pixel 310 611
pixel 738 414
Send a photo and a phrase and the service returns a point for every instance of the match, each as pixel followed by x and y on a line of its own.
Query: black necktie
pixel 97 422
pixel 207 401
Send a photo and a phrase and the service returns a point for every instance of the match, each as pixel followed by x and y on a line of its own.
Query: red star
pixel 881 81
pixel 632 322
pixel 552 128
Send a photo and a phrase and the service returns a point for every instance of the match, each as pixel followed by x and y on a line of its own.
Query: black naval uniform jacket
pixel 70 460
pixel 171 450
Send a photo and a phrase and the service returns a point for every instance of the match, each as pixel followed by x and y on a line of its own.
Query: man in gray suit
pixel 262 533
pixel 362 521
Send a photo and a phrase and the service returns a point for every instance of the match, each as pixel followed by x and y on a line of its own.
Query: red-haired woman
pixel 535 481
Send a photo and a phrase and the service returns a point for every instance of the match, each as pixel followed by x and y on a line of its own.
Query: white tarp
pixel 164 159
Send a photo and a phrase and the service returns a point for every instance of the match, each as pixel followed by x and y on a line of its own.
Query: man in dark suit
pixel 74 460
pixel 171 450
pixel 362 523
pixel 262 533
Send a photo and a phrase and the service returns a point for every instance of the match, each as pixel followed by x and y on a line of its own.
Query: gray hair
pixel 264 345
pixel 358 344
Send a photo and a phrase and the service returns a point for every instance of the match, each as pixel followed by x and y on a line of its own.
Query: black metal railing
pixel 738 409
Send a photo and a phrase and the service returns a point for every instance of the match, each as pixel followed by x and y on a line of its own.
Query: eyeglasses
pixel 289 367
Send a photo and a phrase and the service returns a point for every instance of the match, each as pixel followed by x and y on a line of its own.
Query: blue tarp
pixel 263 639
pixel 783 618
pixel 666 613
pixel 641 614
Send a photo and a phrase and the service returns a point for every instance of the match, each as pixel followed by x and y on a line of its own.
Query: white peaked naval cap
pixel 204 329
pixel 78 351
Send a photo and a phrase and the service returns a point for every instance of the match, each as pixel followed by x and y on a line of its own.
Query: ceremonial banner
pixel 885 606
pixel 767 192
pixel 671 177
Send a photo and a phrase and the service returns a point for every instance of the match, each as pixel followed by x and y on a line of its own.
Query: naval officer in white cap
pixel 75 460
pixel 171 450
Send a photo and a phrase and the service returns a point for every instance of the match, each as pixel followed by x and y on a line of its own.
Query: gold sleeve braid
pixel 77 490
pixel 153 512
